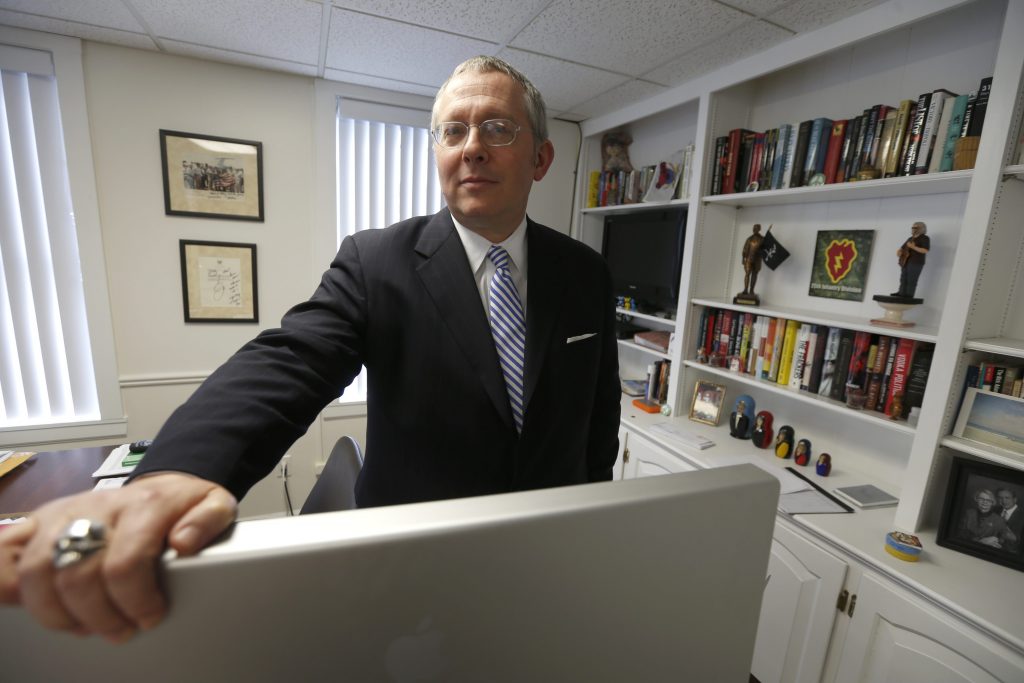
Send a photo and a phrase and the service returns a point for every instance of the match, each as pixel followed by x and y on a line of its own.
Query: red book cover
pixel 835 148
pixel 754 164
pixel 900 370
pixel 709 335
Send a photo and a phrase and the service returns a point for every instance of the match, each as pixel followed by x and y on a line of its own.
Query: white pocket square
pixel 580 337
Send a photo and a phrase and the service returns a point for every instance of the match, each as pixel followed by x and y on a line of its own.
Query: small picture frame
pixel 708 399
pixel 218 282
pixel 212 177
pixel 973 519
pixel 992 419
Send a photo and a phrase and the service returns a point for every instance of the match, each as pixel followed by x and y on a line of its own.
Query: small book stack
pixel 656 340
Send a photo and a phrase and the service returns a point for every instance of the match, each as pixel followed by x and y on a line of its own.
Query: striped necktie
pixel 508 329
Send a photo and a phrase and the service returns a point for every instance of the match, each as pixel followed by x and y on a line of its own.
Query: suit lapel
pixel 446 276
pixel 545 293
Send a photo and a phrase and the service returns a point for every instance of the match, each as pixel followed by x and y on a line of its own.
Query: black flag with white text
pixel 772 251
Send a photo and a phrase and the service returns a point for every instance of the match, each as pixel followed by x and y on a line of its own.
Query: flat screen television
pixel 644 251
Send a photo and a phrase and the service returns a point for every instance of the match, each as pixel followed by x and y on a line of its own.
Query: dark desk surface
pixel 48 475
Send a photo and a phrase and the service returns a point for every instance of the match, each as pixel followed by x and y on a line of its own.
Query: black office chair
pixel 335 487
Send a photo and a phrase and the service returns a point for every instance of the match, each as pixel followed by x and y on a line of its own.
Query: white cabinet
pixel 643 458
pixel 896 637
pixel 798 609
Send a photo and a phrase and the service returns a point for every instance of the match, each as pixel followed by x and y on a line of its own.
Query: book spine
pixel 834 151
pixel 746 327
pixel 883 111
pixel 817 144
pixel 769 348
pixel 869 135
pixel 876 366
pixel 732 161
pixel 857 374
pixel 777 348
pixel 803 138
pixel 842 365
pixel 782 155
pixel 796 370
pixel 901 371
pixel 965 127
pixel 788 346
pixel 899 135
pixel 887 374
pixel 931 124
pixel 956 122
pixel 916 131
pixel 939 142
pixel 828 366
pixel 980 105
pixel 822 336
pixel 812 346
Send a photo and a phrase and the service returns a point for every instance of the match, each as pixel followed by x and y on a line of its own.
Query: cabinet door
pixel 896 637
pixel 798 610
pixel 643 458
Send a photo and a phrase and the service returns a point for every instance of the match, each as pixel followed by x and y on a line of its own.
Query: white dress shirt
pixel 483 268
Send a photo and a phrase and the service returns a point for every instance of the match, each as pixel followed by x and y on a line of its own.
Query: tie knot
pixel 498 256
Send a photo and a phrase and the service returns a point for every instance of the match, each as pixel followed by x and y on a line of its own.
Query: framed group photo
pixel 218 282
pixel 983 513
pixel 212 177
pixel 707 402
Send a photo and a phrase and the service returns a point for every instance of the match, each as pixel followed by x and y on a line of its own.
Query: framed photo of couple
pixel 984 512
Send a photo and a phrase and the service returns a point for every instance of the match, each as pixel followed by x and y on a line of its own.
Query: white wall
pixel 131 95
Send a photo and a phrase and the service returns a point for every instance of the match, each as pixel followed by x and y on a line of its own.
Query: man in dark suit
pixel 1014 517
pixel 448 413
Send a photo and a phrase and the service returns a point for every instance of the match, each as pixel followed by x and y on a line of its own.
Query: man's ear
pixel 542 159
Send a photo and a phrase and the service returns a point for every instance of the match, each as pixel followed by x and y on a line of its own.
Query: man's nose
pixel 474 149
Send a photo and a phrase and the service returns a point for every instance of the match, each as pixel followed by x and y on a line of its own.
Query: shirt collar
pixel 476 246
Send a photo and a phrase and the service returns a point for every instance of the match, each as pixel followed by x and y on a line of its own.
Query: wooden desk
pixel 48 475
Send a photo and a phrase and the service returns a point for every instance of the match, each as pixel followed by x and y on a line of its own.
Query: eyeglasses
pixel 493 133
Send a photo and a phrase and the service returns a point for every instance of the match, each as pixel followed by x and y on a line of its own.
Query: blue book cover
pixel 952 134
pixel 781 150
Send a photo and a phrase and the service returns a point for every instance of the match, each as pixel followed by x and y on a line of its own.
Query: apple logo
pixel 416 657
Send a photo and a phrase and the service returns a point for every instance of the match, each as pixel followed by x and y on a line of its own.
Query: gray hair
pixel 533 100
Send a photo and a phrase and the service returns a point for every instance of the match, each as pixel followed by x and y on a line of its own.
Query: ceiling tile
pixel 758 8
pixel 562 83
pixel 497 23
pixel 749 38
pixel 213 54
pixel 84 31
pixel 94 12
pixel 391 49
pixel 375 82
pixel 627 36
pixel 282 29
pixel 805 15
pixel 616 98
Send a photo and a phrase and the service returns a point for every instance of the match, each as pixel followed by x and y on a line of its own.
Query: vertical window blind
pixel 46 367
pixel 386 173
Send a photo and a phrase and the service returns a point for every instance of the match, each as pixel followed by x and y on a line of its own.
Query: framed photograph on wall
pixel 707 402
pixel 984 512
pixel 218 282
pixel 992 419
pixel 212 177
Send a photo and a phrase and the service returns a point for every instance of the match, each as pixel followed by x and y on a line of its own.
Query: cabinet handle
pixel 844 595
pixel 625 455
pixel 853 603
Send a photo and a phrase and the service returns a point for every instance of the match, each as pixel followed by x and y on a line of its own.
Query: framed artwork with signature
pixel 212 177
pixel 218 282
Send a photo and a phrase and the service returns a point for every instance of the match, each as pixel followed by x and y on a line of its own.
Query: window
pixel 50 348
pixel 386 173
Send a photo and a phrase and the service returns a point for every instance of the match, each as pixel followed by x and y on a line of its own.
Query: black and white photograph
pixel 982 514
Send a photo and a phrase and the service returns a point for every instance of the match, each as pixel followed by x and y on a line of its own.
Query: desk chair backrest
pixel 335 487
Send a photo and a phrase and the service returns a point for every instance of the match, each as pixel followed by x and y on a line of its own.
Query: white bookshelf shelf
pixel 632 208
pixel 856 323
pixel 633 345
pixel 1004 346
pixel 907 186
pixel 1016 170
pixel 647 317
pixel 1000 456
pixel 870 416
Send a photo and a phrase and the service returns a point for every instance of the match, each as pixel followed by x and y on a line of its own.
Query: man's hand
pixel 113 592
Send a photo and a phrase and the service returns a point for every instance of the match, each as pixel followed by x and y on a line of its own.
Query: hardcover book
pixel 828 365
pixel 917 377
pixel 857 372
pixel 899 132
pixel 788 347
pixel 901 369
pixel 657 340
pixel 796 371
pixel 931 126
pixel 803 137
pixel 980 105
pixel 914 136
pixel 817 146
pixel 834 150
pixel 843 354
pixel 865 496
pixel 956 121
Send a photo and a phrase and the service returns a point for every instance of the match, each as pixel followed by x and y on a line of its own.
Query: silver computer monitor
pixel 656 579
